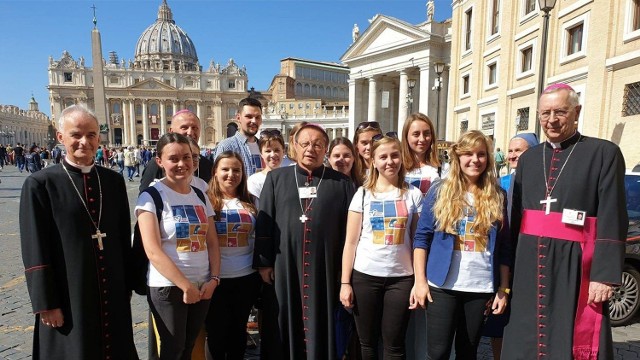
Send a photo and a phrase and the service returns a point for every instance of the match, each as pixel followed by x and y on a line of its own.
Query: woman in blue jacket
pixel 462 241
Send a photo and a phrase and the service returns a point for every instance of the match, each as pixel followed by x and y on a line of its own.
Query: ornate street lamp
pixel 439 67
pixel 411 83
pixel 546 6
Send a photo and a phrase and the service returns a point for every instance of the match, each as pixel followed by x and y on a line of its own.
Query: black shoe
pixel 130 179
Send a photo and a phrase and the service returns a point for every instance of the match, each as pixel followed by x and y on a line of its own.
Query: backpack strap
pixel 157 200
pixel 200 194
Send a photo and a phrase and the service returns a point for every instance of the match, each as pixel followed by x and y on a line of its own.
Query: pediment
pixel 384 33
pixel 151 84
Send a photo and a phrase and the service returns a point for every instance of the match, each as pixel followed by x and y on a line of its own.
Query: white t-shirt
pixel 422 177
pixel 195 182
pixel 183 233
pixel 236 238
pixel 471 268
pixel 256 158
pixel 255 184
pixel 385 247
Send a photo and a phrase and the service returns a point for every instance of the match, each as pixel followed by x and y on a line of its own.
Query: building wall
pixel 608 61
pixel 23 126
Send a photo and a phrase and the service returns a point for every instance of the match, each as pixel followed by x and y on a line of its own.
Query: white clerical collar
pixel 559 144
pixel 83 168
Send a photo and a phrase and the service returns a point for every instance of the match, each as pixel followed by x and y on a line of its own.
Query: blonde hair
pixel 374 174
pixel 488 198
pixel 408 156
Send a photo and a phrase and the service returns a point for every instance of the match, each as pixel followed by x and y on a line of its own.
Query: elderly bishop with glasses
pixel 566 264
pixel 300 234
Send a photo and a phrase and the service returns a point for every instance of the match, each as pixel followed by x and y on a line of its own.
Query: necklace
pixel 547 202
pixel 98 235
pixel 304 217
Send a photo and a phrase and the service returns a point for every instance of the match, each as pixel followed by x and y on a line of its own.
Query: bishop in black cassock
pixel 67 266
pixel 550 317
pixel 305 251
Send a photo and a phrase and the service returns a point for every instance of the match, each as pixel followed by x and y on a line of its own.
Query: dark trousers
pixel 226 322
pixel 178 324
pixel 20 162
pixel 381 308
pixel 455 313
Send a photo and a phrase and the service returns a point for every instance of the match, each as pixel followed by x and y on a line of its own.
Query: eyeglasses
pixel 548 114
pixel 368 125
pixel 316 146
pixel 390 134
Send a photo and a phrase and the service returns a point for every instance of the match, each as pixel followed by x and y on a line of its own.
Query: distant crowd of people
pixel 341 245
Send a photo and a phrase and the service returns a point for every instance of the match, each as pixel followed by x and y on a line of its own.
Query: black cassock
pixel 547 271
pixel 298 310
pixel 65 268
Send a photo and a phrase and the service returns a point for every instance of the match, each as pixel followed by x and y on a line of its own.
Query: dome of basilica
pixel 165 46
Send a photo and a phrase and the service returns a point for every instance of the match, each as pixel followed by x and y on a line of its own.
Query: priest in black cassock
pixel 76 245
pixel 569 208
pixel 300 234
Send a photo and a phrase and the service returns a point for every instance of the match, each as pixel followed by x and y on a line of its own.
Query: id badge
pixel 573 217
pixel 308 192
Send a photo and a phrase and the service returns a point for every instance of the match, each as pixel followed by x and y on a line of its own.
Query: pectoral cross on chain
pixel 99 236
pixel 547 204
pixel 303 218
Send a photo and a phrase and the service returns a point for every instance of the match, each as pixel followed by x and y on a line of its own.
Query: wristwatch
pixel 216 278
pixel 505 290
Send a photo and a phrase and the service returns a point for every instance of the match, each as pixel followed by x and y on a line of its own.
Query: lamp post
pixel 546 6
pixel 439 67
pixel 411 83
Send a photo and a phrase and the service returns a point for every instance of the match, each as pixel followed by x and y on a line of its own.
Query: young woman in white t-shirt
pixel 240 285
pixel 377 270
pixel 462 252
pixel 184 258
pixel 419 152
pixel 271 146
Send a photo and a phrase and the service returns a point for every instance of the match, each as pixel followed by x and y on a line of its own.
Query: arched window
pixel 321 91
pixel 298 89
pixel 191 108
pixel 307 89
pixel 314 90
pixel 116 108
pixel 153 109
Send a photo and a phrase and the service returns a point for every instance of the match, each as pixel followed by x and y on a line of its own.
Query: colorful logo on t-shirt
pixel 256 163
pixel 421 183
pixel 466 241
pixel 388 221
pixel 191 227
pixel 234 228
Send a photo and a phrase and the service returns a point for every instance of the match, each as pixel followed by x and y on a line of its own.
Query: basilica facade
pixel 141 94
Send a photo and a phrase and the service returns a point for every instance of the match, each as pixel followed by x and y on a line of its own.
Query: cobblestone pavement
pixel 16 318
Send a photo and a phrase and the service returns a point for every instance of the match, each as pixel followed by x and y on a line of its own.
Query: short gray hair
pixel 77 108
pixel 574 99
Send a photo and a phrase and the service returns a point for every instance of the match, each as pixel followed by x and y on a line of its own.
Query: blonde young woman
pixel 462 254
pixel 419 152
pixel 377 272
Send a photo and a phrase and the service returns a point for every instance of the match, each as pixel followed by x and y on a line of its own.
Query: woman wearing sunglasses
pixel 462 254
pixel 271 146
pixel 362 141
pixel 377 272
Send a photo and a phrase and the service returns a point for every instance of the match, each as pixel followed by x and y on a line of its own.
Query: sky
pixel 255 33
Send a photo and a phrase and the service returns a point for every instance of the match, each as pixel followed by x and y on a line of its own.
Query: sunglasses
pixel 390 134
pixel 270 133
pixel 368 125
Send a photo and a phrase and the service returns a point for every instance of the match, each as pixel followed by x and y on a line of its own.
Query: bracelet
pixel 215 277
pixel 345 283
pixel 505 290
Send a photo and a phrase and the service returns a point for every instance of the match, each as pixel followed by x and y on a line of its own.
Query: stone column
pixel 132 112
pixel 426 103
pixel 163 118
pixel 145 123
pixel 373 100
pixel 203 123
pixel 403 109
pixel 352 105
pixel 126 127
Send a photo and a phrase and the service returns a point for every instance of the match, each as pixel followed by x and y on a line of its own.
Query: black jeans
pixel 455 313
pixel 381 307
pixel 226 322
pixel 178 324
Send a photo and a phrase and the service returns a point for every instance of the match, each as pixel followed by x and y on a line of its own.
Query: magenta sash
pixel 586 330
